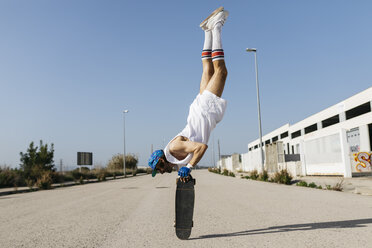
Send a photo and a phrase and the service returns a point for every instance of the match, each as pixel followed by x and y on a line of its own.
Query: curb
pixel 61 185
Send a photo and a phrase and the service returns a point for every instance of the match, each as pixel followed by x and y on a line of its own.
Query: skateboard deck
pixel 185 198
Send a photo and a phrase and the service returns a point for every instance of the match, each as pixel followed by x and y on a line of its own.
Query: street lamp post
pixel 124 112
pixel 254 50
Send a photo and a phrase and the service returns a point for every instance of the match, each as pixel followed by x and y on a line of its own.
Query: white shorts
pixel 213 106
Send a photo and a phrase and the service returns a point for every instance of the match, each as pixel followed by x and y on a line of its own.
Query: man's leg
pixel 216 84
pixel 208 69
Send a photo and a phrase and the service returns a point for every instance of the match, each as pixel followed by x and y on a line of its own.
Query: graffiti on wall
pixel 363 160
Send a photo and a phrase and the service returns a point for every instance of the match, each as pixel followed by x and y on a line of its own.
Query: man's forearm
pixel 198 154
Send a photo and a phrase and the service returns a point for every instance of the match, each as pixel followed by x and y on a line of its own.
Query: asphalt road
pixel 229 212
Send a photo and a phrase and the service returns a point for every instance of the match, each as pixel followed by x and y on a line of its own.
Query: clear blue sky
pixel 69 68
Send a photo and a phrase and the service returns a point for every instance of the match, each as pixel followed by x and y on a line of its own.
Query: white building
pixel 335 141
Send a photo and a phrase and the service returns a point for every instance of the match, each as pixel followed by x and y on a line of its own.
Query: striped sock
pixel 217 51
pixel 207 54
pixel 207 47
pixel 217 54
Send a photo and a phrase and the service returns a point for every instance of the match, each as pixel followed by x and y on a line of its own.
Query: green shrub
pixel 328 187
pixel 319 187
pixel 312 185
pixel 231 174
pixel 302 184
pixel 225 172
pixel 263 176
pixel 254 175
pixel 282 177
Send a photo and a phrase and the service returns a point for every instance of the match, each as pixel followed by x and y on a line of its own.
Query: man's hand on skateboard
pixel 184 173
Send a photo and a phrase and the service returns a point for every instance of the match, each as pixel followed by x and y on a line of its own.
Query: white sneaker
pixel 219 18
pixel 203 24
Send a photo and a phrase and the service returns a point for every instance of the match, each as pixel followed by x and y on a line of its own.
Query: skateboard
pixel 185 198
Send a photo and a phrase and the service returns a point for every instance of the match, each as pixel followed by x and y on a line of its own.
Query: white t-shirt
pixel 205 112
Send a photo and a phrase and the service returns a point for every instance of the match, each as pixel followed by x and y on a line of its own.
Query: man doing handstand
pixel 187 148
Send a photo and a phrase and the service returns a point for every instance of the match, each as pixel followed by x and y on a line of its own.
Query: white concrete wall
pixel 245 161
pixel 293 168
pixel 236 164
pixel 229 164
pixel 251 161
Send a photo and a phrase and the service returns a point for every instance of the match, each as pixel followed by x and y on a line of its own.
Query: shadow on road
pixel 291 228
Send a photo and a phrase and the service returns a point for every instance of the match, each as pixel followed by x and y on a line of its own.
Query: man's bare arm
pixel 198 149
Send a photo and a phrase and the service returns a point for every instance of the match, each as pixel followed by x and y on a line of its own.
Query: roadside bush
pixel 214 170
pixel 312 185
pixel 30 183
pixel 231 174
pixel 302 184
pixel 58 177
pixel 254 175
pixel 282 177
pixel 142 170
pixel 81 180
pixel 225 172
pixel 11 177
pixel 76 174
pixel 263 176
pixel 116 162
pixel 101 174
pixel 339 185
pixel 45 181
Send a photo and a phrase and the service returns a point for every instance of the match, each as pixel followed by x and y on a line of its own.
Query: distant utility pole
pixel 214 161
pixel 60 165
pixel 152 149
pixel 219 151
pixel 124 112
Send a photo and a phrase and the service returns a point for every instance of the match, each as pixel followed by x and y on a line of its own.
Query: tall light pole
pixel 124 112
pixel 254 50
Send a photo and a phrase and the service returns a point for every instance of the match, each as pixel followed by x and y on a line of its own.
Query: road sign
pixel 85 158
